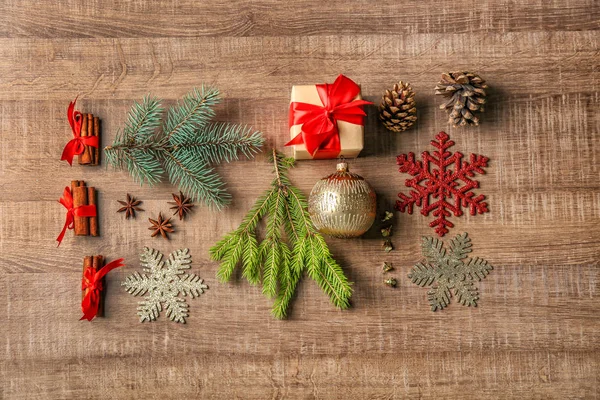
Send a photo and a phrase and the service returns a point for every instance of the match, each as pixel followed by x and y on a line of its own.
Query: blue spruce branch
pixel 184 147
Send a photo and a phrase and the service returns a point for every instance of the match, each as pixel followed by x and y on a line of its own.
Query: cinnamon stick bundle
pixel 96 263
pixel 83 195
pixel 90 126
pixel 80 198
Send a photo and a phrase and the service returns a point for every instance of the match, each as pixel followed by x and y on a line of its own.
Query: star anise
pixel 182 205
pixel 161 226
pixel 130 206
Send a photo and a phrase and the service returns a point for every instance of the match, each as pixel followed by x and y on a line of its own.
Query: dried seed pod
pixel 161 226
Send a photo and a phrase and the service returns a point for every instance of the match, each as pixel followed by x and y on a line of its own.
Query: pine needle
pixel 185 147
pixel 291 246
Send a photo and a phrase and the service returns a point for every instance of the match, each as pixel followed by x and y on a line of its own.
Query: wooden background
pixel 536 331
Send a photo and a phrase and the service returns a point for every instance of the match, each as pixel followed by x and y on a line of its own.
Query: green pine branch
pixel 291 245
pixel 183 147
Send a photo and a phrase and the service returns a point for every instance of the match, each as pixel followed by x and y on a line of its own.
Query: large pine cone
pixel 397 110
pixel 466 97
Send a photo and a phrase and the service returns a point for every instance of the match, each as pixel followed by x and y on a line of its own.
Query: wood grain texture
pixel 536 331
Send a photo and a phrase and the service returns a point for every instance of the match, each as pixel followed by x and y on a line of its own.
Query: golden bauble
pixel 342 204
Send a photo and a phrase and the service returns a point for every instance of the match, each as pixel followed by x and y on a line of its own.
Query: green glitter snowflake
pixel 165 282
pixel 448 271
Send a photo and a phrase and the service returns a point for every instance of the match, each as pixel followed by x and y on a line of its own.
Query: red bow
pixel 319 123
pixel 76 145
pixel 72 212
pixel 92 282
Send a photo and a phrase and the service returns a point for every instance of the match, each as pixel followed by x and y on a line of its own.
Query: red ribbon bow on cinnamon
pixel 92 283
pixel 76 145
pixel 72 212
pixel 319 123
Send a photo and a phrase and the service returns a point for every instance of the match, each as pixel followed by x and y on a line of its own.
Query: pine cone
pixel 397 110
pixel 466 97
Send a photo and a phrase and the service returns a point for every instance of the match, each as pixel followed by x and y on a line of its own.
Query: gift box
pixel 327 120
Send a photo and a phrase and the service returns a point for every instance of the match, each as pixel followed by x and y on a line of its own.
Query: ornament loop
pixel 342 165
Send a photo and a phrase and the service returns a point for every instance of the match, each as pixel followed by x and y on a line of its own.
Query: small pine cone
pixel 397 110
pixel 466 97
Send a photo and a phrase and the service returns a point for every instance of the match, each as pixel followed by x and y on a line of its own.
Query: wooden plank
pixel 451 375
pixel 268 67
pixel 189 18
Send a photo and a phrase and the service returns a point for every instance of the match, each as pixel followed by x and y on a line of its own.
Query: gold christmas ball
pixel 342 204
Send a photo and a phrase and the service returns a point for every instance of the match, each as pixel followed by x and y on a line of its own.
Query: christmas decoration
pixel 93 284
pixel 83 195
pixel 387 216
pixel 342 204
pixel 448 271
pixel 387 267
pixel 184 148
pixel 391 282
pixel 387 231
pixel 161 226
pixel 327 120
pixel 436 185
pixel 387 245
pixel 182 205
pixel 466 97
pixel 130 206
pixel 86 137
pixel 397 110
pixel 279 262
pixel 79 212
pixel 162 282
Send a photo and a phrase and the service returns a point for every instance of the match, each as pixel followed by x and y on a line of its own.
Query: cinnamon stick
pixel 91 197
pixel 87 262
pixel 80 198
pixel 97 134
pixel 91 150
pixel 74 184
pixel 97 263
pixel 85 157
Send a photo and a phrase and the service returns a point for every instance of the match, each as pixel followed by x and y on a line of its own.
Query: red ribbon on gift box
pixel 319 132
pixel 76 145
pixel 72 212
pixel 92 282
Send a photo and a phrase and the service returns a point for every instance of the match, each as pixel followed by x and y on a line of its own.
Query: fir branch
pixel 192 113
pixel 221 141
pixel 282 303
pixel 250 259
pixel 143 120
pixel 278 266
pixel 185 148
pixel 194 175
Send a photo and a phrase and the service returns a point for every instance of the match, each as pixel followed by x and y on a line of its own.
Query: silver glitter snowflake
pixel 449 270
pixel 166 280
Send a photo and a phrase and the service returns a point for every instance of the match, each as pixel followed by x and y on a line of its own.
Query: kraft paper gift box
pixel 351 136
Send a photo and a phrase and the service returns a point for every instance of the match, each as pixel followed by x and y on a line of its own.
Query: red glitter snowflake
pixel 434 177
